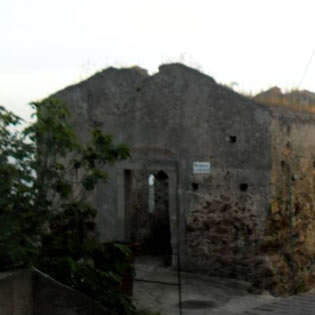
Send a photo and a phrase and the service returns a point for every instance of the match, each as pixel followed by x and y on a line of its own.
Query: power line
pixel 306 69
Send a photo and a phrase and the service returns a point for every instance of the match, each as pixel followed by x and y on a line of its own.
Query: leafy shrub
pixel 46 175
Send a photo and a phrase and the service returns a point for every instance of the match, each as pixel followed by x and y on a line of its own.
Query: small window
pixel 194 186
pixel 243 187
pixel 282 165
pixel 232 139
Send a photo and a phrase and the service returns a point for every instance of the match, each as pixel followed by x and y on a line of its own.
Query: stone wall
pixel 289 243
pixel 222 235
pixel 275 250
pixel 252 216
pixel 182 114
pixel 140 218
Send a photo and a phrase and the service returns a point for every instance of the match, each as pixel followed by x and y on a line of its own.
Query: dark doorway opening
pixel 150 219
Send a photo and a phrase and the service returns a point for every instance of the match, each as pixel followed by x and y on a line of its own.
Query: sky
pixel 251 45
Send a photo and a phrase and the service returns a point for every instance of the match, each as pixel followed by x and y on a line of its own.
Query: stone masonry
pixel 251 215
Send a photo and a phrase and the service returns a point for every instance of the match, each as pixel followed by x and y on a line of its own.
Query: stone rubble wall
pixel 289 241
pixel 226 236
pixel 239 220
pixel 224 230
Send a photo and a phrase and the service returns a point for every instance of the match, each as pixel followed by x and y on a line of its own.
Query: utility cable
pixel 306 69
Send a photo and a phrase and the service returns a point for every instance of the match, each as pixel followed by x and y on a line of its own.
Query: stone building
pixel 237 176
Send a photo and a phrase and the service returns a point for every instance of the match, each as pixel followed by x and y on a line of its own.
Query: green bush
pixel 46 175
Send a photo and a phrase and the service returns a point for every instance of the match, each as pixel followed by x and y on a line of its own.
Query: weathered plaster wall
pixel 16 293
pixel 181 115
pixel 30 292
pixel 51 297
pixel 140 216
pixel 103 101
pixel 289 243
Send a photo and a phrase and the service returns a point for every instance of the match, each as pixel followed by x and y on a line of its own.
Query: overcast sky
pixel 47 45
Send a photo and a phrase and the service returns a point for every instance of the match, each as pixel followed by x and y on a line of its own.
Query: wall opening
pixel 243 187
pixel 151 199
pixel 283 165
pixel 150 219
pixel 194 186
